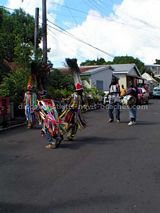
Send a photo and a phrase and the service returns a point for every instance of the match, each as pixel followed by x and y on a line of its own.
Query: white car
pixel 156 92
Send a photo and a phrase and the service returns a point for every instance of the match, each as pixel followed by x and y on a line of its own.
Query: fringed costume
pixel 51 124
pixel 72 116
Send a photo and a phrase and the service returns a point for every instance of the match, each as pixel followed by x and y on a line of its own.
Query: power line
pixel 70 12
pixel 96 5
pixel 7 8
pixel 60 29
pixel 76 10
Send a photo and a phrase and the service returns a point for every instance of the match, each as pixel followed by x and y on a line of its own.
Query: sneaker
pixel 131 123
pixel 50 146
pixel 118 121
pixel 110 120
pixel 42 133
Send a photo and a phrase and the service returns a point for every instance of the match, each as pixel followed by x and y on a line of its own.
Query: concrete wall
pixel 122 80
pixel 104 75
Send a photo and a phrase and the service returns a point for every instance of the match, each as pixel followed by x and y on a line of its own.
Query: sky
pixel 98 28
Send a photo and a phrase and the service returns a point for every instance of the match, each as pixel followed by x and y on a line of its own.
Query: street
pixel 109 168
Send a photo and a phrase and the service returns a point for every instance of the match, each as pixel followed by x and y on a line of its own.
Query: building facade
pixel 99 78
pixel 155 69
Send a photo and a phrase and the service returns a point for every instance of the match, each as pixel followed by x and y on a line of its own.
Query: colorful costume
pixel 72 116
pixel 54 126
pixel 50 122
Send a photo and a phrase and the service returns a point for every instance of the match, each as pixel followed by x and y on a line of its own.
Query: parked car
pixel 143 96
pixel 156 92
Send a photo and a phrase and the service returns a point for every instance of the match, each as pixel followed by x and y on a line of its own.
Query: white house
pixel 149 81
pixel 99 77
pixel 126 73
pixel 155 68
pixel 149 78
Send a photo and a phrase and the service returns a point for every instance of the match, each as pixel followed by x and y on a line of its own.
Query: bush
pixel 14 85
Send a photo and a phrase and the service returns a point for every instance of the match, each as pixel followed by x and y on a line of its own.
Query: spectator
pixel 27 104
pixel 122 91
pixel 133 92
pixel 30 99
pixel 114 100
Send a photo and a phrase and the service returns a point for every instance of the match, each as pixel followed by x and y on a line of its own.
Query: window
pixel 99 85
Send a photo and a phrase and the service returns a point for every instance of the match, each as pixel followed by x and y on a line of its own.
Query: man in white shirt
pixel 114 100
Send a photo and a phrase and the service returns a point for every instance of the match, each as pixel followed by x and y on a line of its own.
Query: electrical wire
pixel 96 6
pixel 60 29
pixel 76 10
pixel 7 8
pixel 70 12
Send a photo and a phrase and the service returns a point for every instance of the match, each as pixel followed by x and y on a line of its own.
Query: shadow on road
pixel 65 206
pixel 83 141
pixel 147 123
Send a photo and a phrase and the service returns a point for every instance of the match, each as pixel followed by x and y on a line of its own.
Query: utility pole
pixel 44 31
pixel 36 32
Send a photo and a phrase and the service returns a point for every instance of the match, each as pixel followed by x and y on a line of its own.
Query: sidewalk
pixel 13 124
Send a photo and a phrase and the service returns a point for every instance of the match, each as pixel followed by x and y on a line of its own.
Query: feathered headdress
pixel 72 64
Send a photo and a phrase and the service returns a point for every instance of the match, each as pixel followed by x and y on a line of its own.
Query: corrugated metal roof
pixel 116 69
pixel 125 68
pixel 148 77
pixel 96 70
pixel 122 67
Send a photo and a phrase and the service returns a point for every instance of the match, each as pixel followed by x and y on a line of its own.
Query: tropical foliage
pixel 117 60
pixel 16 36
pixel 16 47
pixel 14 84
pixel 59 84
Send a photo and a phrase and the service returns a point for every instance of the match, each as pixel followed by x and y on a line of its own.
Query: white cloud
pixel 131 29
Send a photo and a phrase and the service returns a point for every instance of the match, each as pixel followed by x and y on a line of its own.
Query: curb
pixel 12 127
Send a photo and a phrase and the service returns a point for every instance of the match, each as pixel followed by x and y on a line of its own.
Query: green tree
pixel 157 61
pixel 129 60
pixel 16 47
pixel 17 36
pixel 99 61
pixel 14 84
pixel 117 60
pixel 59 84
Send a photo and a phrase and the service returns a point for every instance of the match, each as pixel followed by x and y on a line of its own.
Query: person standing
pixel 132 104
pixel 114 100
pixel 33 106
pixel 28 104
pixel 122 91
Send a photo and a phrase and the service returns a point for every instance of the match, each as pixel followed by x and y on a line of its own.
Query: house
pixel 150 82
pixel 155 69
pixel 99 77
pixel 127 73
pixel 149 78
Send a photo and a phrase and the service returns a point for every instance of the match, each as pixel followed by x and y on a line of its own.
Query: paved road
pixel 110 168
